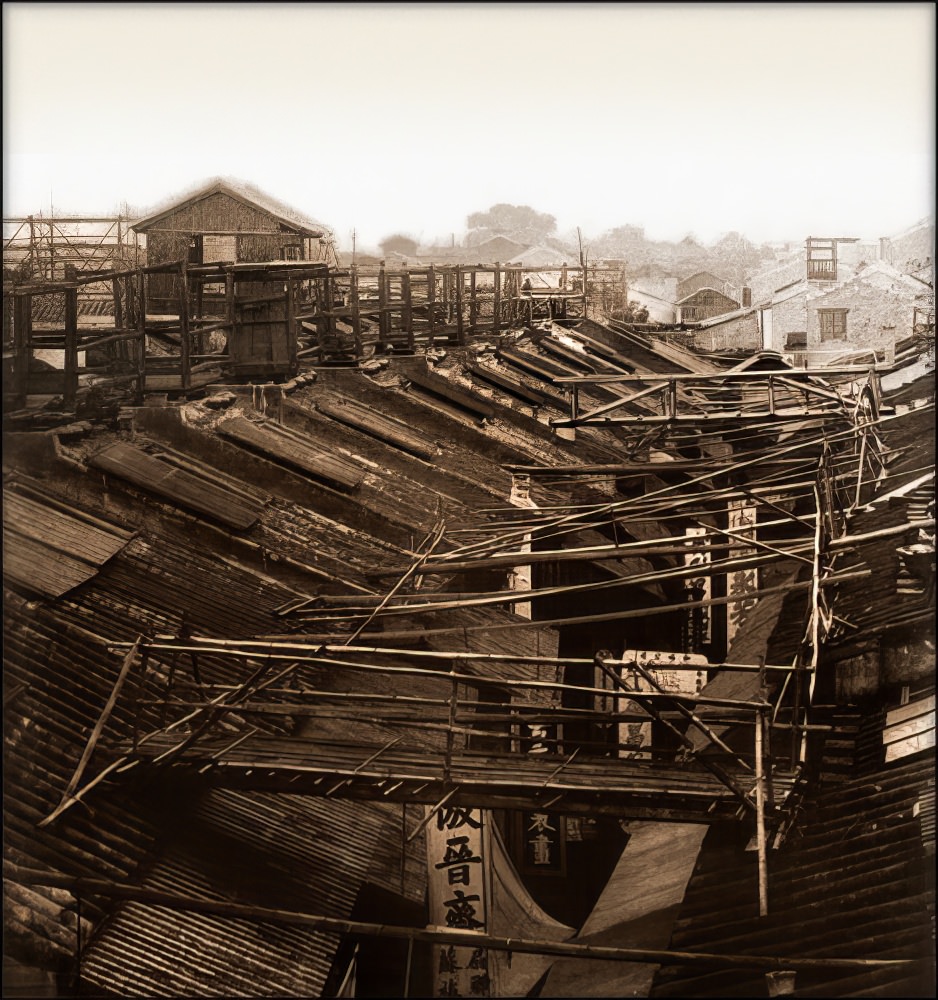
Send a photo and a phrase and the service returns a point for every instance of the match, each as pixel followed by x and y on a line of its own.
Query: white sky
pixel 776 120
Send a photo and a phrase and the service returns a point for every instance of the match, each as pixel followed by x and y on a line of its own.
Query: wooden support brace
pixel 425 822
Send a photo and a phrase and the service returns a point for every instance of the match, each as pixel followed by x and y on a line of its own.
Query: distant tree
pixel 512 220
pixel 399 243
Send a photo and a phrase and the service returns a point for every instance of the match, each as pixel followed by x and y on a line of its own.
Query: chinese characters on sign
pixel 456 838
pixel 543 843
pixel 742 521
pixel 637 735
pixel 696 588
pixel 542 834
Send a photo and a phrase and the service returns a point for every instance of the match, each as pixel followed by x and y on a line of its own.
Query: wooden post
pixel 141 334
pixel 118 305
pixel 51 250
pixel 497 302
pixel 292 346
pixel 473 303
pixel 407 315
pixel 384 320
pixel 460 331
pixel 185 367
pixel 33 254
pixel 451 730
pixel 230 307
pixel 71 348
pixel 199 310
pixel 760 817
pixel 22 335
pixel 356 311
pixel 431 304
pixel 863 444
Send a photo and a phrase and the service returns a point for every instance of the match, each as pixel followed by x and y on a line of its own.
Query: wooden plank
pixel 378 425
pixel 540 367
pixel 57 530
pixel 532 396
pixel 444 389
pixel 910 710
pixel 39 569
pixel 182 488
pixel 913 744
pixel 911 727
pixel 293 451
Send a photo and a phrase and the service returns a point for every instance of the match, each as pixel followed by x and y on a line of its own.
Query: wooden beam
pixel 71 349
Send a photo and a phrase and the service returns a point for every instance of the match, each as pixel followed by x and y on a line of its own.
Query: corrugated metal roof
pixel 184 488
pixel 48 549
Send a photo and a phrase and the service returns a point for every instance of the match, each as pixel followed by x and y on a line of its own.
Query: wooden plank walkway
pixel 628 788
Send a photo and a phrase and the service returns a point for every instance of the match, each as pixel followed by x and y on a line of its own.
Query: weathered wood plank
pixel 291 450
pixel 183 488
pixel 378 425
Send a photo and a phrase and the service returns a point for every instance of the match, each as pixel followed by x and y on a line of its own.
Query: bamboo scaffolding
pixel 243 650
pixel 620 505
pixel 717 568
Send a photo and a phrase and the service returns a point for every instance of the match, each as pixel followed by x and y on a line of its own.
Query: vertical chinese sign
pixel 458 874
pixel 741 582
pixel 696 588
pixel 543 840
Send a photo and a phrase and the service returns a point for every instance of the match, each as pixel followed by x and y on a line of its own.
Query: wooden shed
pixel 227 221
pixel 705 303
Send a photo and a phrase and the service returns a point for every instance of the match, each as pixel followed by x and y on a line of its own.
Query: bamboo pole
pixel 571 949
pixel 760 819
pixel 434 539
pixel 102 720
pixel 317 657
pixel 256 647
pixel 710 765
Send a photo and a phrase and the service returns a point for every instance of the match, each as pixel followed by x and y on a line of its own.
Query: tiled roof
pixel 853 881
pixel 49 547
pixel 243 192
pixel 286 851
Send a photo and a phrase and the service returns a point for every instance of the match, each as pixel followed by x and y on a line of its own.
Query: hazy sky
pixel 777 120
